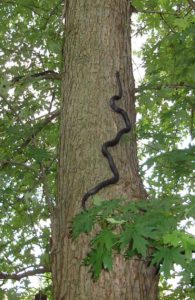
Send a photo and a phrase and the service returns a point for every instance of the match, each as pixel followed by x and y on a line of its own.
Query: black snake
pixel 111 143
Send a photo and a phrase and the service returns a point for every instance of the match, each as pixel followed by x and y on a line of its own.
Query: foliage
pixel 180 292
pixel 166 96
pixel 31 59
pixel 145 229
pixel 166 106
pixel 30 54
pixel 24 294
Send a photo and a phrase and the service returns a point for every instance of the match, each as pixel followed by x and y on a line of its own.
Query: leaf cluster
pixel 166 99
pixel 147 230
pixel 30 53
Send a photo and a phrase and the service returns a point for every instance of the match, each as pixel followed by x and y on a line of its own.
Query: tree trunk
pixel 97 44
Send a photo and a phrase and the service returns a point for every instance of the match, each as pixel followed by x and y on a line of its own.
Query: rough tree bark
pixel 97 44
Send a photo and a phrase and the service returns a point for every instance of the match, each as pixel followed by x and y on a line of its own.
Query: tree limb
pixel 33 8
pixel 15 163
pixel 168 25
pixel 169 86
pixel 159 12
pixel 42 125
pixel 52 12
pixel 45 122
pixel 19 276
pixel 192 4
pixel 144 11
pixel 49 74
pixel 13 112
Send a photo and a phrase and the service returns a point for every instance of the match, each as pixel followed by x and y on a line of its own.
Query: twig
pixel 36 131
pixel 52 100
pixel 165 21
pixel 45 122
pixel 12 110
pixel 32 8
pixel 55 8
pixel 158 12
pixel 169 86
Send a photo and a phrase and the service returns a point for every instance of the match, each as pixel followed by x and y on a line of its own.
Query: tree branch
pixel 15 163
pixel 192 4
pixel 55 8
pixel 36 131
pixel 32 8
pixel 13 112
pixel 45 122
pixel 49 74
pixel 169 86
pixel 168 25
pixel 20 275
pixel 158 12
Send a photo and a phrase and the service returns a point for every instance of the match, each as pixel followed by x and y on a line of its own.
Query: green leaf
pixel 168 257
pixel 82 223
pixel 140 244
pixel 126 237
pixel 105 239
pixel 107 261
pixel 97 200
pixel 132 236
pixel 114 221
pixel 181 23
pixel 101 254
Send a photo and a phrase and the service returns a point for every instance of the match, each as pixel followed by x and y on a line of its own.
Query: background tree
pixel 31 57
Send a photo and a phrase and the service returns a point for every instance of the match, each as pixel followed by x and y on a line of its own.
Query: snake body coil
pixel 109 144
